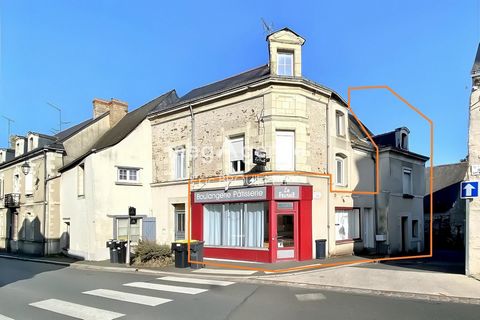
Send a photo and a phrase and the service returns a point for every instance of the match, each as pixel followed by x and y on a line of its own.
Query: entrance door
pixel 179 221
pixel 286 237
pixel 404 234
pixel 368 228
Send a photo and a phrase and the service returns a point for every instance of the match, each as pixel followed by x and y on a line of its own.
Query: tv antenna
pixel 60 121
pixel 267 28
pixel 8 126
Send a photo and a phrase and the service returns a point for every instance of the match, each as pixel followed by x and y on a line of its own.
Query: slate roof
pixel 227 84
pixel 126 125
pixel 357 135
pixel 445 176
pixel 476 63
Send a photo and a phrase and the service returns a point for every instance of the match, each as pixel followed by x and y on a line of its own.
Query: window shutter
pixel 237 149
pixel 29 183
pixel 285 150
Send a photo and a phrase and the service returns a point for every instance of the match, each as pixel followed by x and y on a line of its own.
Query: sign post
pixel 469 189
pixel 132 211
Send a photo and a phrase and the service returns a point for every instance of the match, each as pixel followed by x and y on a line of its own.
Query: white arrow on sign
pixel 468 190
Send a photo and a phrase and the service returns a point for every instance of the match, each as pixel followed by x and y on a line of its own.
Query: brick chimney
pixel 117 108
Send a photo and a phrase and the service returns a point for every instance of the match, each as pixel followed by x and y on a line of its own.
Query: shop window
pixel 122 230
pixel 414 228
pixel 180 163
pixel 340 123
pixel 407 182
pixel 237 155
pixel 236 225
pixel 285 63
pixel 285 151
pixel 347 224
pixel 128 175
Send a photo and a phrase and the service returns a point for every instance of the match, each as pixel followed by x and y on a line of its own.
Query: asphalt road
pixel 41 291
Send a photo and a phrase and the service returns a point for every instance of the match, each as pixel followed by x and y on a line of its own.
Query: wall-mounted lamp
pixel 25 168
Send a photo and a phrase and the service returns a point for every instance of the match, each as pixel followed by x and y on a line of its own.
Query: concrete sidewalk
pixel 388 281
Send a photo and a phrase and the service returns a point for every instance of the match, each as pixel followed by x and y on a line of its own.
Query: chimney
pixel 117 109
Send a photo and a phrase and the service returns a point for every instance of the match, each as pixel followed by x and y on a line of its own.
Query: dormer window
pixel 285 64
pixel 30 144
pixel 404 141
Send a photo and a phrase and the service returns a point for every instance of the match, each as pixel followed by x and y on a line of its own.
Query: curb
pixel 373 292
pixel 59 263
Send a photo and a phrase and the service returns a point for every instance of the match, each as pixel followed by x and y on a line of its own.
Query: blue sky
pixel 68 52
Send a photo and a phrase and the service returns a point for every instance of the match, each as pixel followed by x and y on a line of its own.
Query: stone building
pixel 314 146
pixel 30 219
pixel 473 174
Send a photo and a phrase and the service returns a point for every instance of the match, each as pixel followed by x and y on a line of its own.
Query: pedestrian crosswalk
pixel 176 285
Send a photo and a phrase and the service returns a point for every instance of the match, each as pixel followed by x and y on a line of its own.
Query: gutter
pixel 45 183
pixel 192 147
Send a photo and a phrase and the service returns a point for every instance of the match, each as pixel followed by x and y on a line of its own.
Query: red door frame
pixel 275 212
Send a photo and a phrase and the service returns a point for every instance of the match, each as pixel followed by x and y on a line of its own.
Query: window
pixel 81 180
pixel 30 144
pixel 340 123
pixel 407 182
pixel 285 64
pixel 16 183
pixel 237 155
pixel 128 175
pixel 285 151
pixel 347 224
pixel 236 225
pixel 122 230
pixel 179 221
pixel 29 183
pixel 180 163
pixel 414 228
pixel 404 141
pixel 340 176
pixel 2 190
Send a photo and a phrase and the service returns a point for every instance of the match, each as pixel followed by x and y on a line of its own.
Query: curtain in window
pixel 212 218
pixel 232 235
pixel 254 225
pixel 347 224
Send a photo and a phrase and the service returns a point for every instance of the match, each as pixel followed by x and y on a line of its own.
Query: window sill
pixel 125 183
pixel 347 241
pixel 237 248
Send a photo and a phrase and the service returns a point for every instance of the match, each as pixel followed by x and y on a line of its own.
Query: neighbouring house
pixel 448 209
pixel 314 145
pixel 30 183
pixel 100 184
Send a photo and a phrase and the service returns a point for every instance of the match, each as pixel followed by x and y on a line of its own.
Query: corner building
pixel 277 211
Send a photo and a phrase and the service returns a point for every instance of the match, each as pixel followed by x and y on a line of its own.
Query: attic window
pixel 404 141
pixel 285 64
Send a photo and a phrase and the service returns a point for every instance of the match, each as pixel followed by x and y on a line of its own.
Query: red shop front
pixel 263 224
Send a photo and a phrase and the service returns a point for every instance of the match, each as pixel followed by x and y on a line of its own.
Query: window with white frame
pixel 16 183
pixel 237 155
pixel 180 163
pixel 285 150
pixel 347 224
pixel 285 63
pixel 128 175
pixel 340 170
pixel 340 123
pixel 122 230
pixel 407 181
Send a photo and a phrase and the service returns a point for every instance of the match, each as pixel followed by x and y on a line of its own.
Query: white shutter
pixel 285 150
pixel 29 183
pixel 237 149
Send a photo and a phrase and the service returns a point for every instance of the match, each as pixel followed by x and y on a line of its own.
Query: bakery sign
pixel 231 195
pixel 286 192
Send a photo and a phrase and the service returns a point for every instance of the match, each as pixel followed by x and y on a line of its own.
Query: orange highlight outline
pixel 329 175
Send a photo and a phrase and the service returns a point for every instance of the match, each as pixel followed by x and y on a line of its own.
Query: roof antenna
pixel 8 126
pixel 267 28
pixel 60 122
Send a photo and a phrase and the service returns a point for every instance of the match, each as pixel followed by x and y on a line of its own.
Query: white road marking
pixel 164 287
pixel 225 271
pixel 2 317
pixel 76 310
pixel 127 297
pixel 310 296
pixel 197 281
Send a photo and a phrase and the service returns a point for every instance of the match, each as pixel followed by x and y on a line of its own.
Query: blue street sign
pixel 469 189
